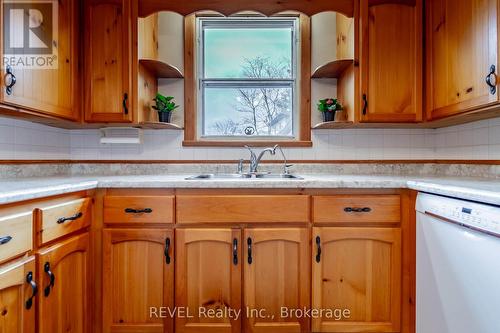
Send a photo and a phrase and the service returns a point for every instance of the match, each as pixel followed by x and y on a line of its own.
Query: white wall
pixel 479 140
pixel 24 140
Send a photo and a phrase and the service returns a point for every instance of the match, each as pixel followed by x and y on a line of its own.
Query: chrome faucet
pixel 286 166
pixel 255 160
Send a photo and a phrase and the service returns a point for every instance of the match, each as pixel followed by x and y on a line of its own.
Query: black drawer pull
pixel 52 278
pixel 5 239
pixel 138 211
pixel 34 290
pixel 9 80
pixel 167 250
pixel 318 247
pixel 235 251
pixel 71 218
pixel 357 210
pixel 249 243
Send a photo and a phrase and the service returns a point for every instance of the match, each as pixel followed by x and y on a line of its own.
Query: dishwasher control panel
pixel 478 216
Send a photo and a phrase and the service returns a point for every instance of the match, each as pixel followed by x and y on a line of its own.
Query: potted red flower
pixel 329 107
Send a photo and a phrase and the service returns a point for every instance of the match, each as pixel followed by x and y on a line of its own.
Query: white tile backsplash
pixel 478 140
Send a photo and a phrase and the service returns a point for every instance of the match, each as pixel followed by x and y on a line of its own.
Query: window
pixel 247 78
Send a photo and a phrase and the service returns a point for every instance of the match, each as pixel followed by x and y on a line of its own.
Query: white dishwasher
pixel 458 266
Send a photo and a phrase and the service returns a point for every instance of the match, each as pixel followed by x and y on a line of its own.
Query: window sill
pixel 208 143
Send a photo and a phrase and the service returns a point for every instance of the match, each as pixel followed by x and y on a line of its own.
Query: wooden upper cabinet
pixel 359 270
pixel 63 271
pixel 17 303
pixel 52 89
pixel 207 277
pixel 461 50
pixel 138 276
pixel 391 61
pixel 277 274
pixel 108 61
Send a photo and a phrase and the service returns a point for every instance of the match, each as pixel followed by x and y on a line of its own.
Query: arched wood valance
pixel 228 7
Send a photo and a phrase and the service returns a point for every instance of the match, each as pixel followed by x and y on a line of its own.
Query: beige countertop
pixel 474 189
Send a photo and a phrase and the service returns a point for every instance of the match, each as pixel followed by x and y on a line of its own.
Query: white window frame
pixel 202 82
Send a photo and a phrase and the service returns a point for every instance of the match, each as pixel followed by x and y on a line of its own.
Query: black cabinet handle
pixel 492 83
pixel 235 251
pixel 5 239
pixel 70 218
pixel 124 103
pixel 249 244
pixel 167 250
pixel 365 104
pixel 318 247
pixel 357 210
pixel 9 80
pixel 34 290
pixel 138 211
pixel 52 278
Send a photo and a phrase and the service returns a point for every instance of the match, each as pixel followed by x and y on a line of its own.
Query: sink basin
pixel 277 176
pixel 219 176
pixel 214 176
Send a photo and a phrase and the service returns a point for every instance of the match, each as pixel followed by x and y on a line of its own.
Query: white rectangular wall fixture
pixel 121 135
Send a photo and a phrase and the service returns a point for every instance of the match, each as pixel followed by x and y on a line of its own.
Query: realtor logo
pixel 29 34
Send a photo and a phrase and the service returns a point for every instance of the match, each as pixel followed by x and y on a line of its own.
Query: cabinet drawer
pixel 16 234
pixel 242 208
pixel 139 209
pixel 357 208
pixel 62 218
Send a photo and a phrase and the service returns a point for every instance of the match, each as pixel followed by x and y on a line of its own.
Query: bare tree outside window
pixel 248 80
pixel 266 110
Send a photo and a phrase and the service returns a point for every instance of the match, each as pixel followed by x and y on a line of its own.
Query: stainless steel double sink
pixel 242 176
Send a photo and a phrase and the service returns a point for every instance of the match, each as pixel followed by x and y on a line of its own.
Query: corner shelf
pixel 160 69
pixel 351 124
pixel 158 125
pixel 334 125
pixel 332 70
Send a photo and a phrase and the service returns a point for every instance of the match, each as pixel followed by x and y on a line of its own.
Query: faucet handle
pixel 240 166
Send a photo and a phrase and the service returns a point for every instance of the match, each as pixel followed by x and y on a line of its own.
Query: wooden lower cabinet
pixel 63 272
pixel 17 306
pixel 138 280
pixel 359 270
pixel 208 279
pixel 276 279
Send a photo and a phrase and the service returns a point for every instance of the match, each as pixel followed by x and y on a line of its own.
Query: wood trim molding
pixel 305 79
pixel 266 7
pixel 189 78
pixel 467 162
pixel 190 92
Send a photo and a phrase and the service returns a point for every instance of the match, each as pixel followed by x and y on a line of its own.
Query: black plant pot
pixel 164 117
pixel 328 116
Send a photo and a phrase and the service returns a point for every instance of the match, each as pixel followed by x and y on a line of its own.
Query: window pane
pixel 248 111
pixel 248 52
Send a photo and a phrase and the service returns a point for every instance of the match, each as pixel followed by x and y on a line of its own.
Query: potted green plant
pixel 329 107
pixel 165 106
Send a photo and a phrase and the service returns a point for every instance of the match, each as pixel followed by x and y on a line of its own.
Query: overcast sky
pixel 225 52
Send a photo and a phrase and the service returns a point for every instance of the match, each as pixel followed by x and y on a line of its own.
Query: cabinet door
pixel 461 49
pixel 208 278
pixel 357 270
pixel 63 271
pixel 18 297
pixel 277 277
pixel 50 89
pixel 391 61
pixel 138 280
pixel 108 61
